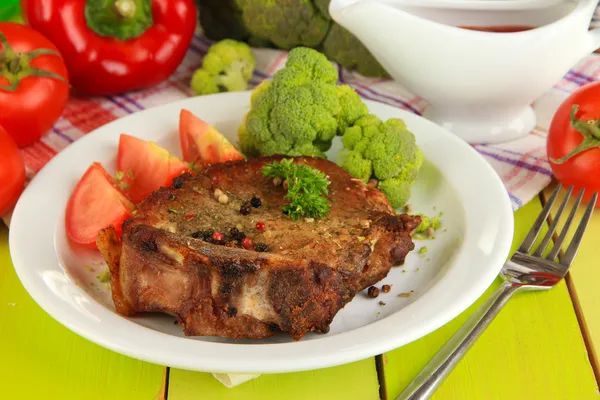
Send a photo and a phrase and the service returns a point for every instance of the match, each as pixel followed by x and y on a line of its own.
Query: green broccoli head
pixel 221 19
pixel 386 151
pixel 286 23
pixel 227 67
pixel 302 109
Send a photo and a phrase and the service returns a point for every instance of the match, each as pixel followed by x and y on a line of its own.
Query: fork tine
pixel 539 222
pixel 544 243
pixel 574 246
pixel 563 234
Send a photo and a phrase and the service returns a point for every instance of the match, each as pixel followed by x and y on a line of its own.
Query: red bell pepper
pixel 113 46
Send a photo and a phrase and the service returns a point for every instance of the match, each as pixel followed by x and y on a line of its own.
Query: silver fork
pixel 524 271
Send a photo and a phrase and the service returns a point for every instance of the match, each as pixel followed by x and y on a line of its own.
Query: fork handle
pixel 440 366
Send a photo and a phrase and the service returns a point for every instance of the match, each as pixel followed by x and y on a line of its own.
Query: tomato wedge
pixel 202 143
pixel 145 166
pixel 95 204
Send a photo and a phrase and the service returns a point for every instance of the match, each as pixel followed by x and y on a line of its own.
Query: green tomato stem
pixel 14 67
pixel 591 135
pixel 121 19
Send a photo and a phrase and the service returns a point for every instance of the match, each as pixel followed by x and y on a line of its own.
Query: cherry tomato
pixel 34 84
pixel 95 204
pixel 574 140
pixel 12 173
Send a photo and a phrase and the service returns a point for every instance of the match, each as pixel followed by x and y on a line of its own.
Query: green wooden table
pixel 542 346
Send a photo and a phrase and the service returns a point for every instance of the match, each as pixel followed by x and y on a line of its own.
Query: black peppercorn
pixel 255 202
pixel 261 247
pixel 386 288
pixel 205 234
pixel 236 234
pixel 246 208
pixel 373 292
pixel 178 183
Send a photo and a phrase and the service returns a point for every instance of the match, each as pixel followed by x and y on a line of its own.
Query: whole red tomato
pixel 34 84
pixel 12 173
pixel 574 140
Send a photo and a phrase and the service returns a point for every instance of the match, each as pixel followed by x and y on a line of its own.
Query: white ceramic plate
pixel 461 262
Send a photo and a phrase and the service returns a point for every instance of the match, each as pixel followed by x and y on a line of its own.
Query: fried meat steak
pixel 299 275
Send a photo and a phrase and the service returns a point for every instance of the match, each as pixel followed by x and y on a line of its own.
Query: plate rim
pixel 291 356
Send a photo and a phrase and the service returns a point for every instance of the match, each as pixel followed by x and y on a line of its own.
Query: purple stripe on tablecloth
pixel 62 135
pixel 390 98
pixel 515 200
pixel 262 74
pixel 197 49
pixel 563 90
pixel 518 163
pixel 205 40
pixel 491 148
pixel 113 100
pixel 132 101
pixel 396 100
pixel 573 78
pixel 582 76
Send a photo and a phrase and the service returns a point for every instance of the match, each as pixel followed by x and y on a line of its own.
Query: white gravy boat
pixel 480 85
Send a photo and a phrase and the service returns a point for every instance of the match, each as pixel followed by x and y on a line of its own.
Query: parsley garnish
pixel 307 187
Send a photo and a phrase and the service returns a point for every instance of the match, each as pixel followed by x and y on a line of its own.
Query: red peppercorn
pixel 260 226
pixel 247 243
pixel 217 236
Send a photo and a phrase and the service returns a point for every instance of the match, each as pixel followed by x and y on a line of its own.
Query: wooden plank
pixel 533 350
pixel 584 280
pixel 41 359
pixel 356 381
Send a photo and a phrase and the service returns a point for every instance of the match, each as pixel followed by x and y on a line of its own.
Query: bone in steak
pixel 307 270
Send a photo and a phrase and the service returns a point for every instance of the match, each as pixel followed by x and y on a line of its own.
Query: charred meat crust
pixel 312 269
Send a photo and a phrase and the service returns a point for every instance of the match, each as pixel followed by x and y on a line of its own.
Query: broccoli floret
pixel 428 227
pixel 396 190
pixel 301 110
pixel 352 107
pixel 355 164
pixel 286 24
pixel 203 83
pixel 386 151
pixel 227 67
